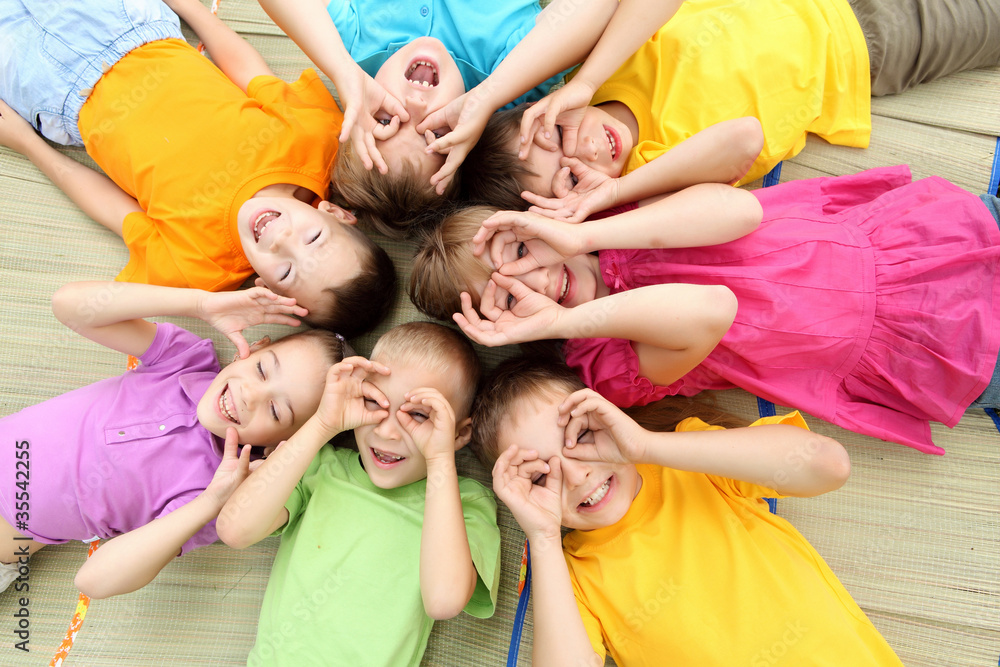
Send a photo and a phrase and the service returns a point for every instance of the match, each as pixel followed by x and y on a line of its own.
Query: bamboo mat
pixel 914 538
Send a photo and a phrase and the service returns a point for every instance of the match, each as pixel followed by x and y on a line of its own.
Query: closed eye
pixel 285 275
pixel 539 481
pixel 260 371
pixel 314 238
pixel 274 413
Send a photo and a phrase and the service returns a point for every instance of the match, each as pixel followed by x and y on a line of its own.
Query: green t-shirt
pixel 345 584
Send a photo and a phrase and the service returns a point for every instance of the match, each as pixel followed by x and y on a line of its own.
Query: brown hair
pixel 357 306
pixel 395 204
pixel 526 378
pixel 444 265
pixel 438 348
pixel 491 171
pixel 334 347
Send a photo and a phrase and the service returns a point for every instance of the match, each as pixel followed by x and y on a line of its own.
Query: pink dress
pixel 866 300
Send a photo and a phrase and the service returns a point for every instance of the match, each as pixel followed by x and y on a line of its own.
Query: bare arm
pixel 132 560
pixel 96 194
pixel 231 53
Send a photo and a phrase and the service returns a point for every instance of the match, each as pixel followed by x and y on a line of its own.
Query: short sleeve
pixel 305 93
pixel 299 498
pixel 610 367
pixel 480 511
pixel 591 624
pixel 735 487
pixel 206 534
pixel 176 348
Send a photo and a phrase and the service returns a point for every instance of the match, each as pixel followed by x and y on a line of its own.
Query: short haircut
pixel 437 348
pixel 492 171
pixel 357 306
pixel 444 265
pixel 395 204
pixel 530 377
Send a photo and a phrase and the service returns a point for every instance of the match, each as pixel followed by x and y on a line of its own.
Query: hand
pixel 594 191
pixel 570 101
pixel 537 505
pixel 429 419
pixel 232 471
pixel 533 316
pixel 596 430
pixel 546 241
pixel 232 312
pixel 367 106
pixel 467 116
pixel 15 132
pixel 349 400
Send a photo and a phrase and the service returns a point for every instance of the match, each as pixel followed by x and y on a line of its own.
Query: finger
pixel 487 302
pixel 254 465
pixel 347 127
pixel 553 480
pixel 394 107
pixel 370 391
pixel 232 442
pixel 244 466
pixel 540 201
pixel 574 428
pixel 514 286
pixel 375 155
pixel 435 119
pixel 442 179
pixel 529 123
pixel 259 282
pixel 242 347
pixel 358 142
pixel 382 132
pixel 569 139
pixel 559 187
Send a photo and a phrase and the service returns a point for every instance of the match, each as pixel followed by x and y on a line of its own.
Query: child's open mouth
pixel 568 282
pixel 422 72
pixel 596 499
pixel 385 459
pixel 614 142
pixel 260 223
pixel 227 406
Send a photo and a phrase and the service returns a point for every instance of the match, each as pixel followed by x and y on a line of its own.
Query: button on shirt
pixel 478 35
pixel 112 456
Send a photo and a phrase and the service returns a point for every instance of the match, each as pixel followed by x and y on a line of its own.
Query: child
pixel 212 173
pixel 425 56
pixel 675 558
pixel 800 67
pixel 140 456
pixel 376 543
pixel 853 305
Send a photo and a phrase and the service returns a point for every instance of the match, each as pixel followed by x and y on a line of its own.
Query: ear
pixel 342 215
pixel 463 433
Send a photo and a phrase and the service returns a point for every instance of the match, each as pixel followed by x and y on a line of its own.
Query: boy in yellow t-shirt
pixel 798 66
pixel 675 558
pixel 214 172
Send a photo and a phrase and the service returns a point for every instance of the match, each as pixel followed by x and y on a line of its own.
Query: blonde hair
pixel 444 265
pixel 437 348
pixel 396 204
pixel 530 378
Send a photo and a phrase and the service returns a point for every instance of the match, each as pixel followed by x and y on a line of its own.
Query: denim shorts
pixel 53 53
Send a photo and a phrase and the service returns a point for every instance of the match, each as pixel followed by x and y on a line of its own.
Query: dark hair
pixel 357 306
pixel 528 377
pixel 491 170
pixel 396 204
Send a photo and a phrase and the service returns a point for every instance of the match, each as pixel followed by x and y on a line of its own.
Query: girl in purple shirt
pixel 150 457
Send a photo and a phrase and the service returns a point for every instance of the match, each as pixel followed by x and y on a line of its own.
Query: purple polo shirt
pixel 112 456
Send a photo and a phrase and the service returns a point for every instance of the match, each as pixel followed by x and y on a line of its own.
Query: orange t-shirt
pixel 171 130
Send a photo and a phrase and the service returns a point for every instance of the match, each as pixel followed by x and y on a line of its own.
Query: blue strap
pixel 994 188
pixel 774 176
pixel 522 609
pixel 765 408
pixel 994 416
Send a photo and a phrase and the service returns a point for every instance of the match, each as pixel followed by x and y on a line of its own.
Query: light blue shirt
pixel 478 34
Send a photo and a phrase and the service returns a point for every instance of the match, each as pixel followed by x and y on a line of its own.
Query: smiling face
pixel 388 453
pixel 268 395
pixel 570 283
pixel 423 77
pixel 298 250
pixel 595 494
pixel 603 144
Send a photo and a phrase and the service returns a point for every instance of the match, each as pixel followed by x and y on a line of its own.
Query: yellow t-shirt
pixel 699 572
pixel 797 65
pixel 171 130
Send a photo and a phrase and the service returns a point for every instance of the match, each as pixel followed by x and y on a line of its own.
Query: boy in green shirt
pixel 376 543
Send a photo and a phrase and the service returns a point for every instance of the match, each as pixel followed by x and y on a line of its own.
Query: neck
pixel 623 114
pixel 286 190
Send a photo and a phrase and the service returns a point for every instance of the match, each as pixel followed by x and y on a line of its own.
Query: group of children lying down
pixel 602 217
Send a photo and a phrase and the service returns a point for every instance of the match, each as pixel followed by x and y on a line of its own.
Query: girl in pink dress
pixel 869 300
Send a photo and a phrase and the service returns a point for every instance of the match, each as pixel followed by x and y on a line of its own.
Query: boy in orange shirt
pixel 212 175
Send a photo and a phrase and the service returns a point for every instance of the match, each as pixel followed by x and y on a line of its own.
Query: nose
pixel 538 280
pixel 250 394
pixel 388 429
pixel 279 237
pixel 586 148
pixel 574 472
pixel 416 105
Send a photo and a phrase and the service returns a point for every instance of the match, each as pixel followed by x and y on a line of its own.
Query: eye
pixel 418 417
pixel 314 238
pixel 510 302
pixel 573 179
pixel 559 130
pixel 522 250
pixel 274 413
pixel 372 404
pixel 585 436
pixel 285 275
pixel 383 121
pixel 260 371
pixel 539 481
